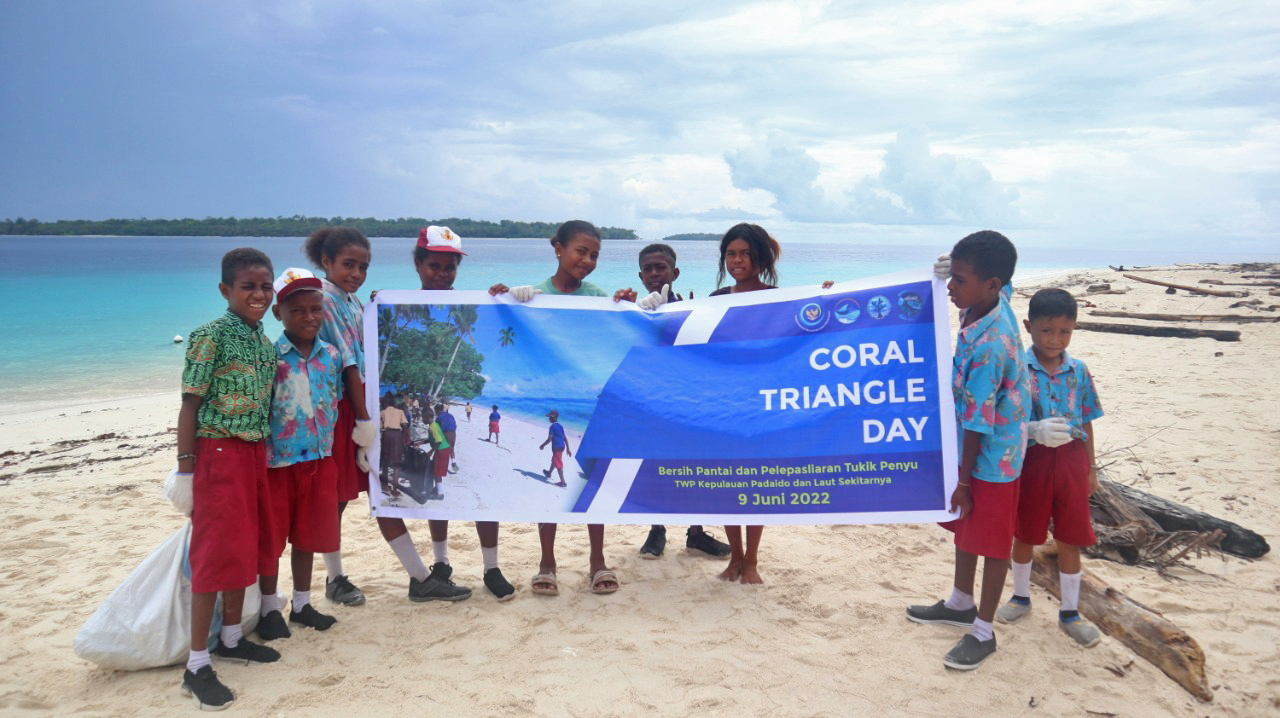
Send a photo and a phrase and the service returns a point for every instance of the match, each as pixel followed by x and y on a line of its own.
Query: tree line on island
pixel 295 226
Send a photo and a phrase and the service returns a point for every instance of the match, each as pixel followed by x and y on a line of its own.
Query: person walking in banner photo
pixel 495 426
pixel 559 446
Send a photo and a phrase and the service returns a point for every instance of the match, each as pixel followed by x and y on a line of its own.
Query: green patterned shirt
pixel 232 366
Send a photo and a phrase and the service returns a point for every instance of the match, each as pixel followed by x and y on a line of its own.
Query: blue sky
pixel 1089 123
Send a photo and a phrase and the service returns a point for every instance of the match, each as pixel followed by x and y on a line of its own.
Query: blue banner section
pixel 841 312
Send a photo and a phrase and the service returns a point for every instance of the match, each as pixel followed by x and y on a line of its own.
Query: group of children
pixel 273 437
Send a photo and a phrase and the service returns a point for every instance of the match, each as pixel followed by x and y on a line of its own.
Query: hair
pixel 1052 303
pixel 420 255
pixel 568 230
pixel 990 253
pixel 660 248
pixel 439 408
pixel 325 243
pixel 765 250
pixel 495 407
pixel 242 258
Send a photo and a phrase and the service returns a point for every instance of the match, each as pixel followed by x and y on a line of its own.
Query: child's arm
pixel 355 392
pixel 544 444
pixel 962 498
pixel 187 432
pixel 566 446
pixel 1093 458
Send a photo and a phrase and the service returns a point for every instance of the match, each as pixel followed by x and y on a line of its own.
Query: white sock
pixel 1021 578
pixel 300 599
pixel 959 601
pixel 490 557
pixel 197 660
pixel 441 550
pixel 982 630
pixel 333 564
pixel 1070 584
pixel 269 603
pixel 408 555
pixel 231 635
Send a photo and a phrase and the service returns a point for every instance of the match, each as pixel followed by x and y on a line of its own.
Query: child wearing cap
pixel 222 428
pixel 559 446
pixel 301 469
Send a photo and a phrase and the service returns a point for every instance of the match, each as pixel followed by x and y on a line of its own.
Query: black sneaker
pixel 655 543
pixel 939 613
pixel 969 653
pixel 706 543
pixel 206 689
pixel 309 616
pixel 340 590
pixel 498 585
pixel 272 626
pixel 247 651
pixel 431 589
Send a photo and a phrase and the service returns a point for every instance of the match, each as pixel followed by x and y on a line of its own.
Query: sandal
pixel 545 584
pixel 604 576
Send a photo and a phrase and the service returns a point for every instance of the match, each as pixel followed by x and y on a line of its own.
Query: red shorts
pixel 304 507
pixel 231 524
pixel 988 529
pixel 493 427
pixel 1055 485
pixel 557 458
pixel 440 467
pixel 351 480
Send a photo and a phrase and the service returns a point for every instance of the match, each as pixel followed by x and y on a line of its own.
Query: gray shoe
pixel 1083 632
pixel 1012 612
pixel 969 653
pixel 437 586
pixel 340 590
pixel 939 613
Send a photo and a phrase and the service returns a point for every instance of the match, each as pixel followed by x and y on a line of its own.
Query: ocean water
pixel 94 317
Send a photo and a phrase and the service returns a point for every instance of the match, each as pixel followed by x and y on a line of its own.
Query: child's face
pixel 438 270
pixel 656 270
pixel 349 268
pixel 301 313
pixel 966 289
pixel 250 294
pixel 737 260
pixel 578 257
pixel 1050 335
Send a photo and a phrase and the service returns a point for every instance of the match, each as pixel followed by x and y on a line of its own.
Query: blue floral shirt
pixel 304 407
pixel 1067 392
pixel 344 324
pixel 990 387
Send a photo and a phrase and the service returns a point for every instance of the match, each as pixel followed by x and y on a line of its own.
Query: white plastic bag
pixel 177 488
pixel 146 621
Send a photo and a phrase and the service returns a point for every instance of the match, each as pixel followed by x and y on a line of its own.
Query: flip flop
pixel 546 579
pixel 605 576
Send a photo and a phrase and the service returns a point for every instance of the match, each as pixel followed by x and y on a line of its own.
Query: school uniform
pixel 393 435
pixel 343 327
pixel 556 434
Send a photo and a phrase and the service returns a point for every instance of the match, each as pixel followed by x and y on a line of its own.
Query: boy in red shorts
pixel 1060 471
pixel 989 386
pixel 301 469
pixel 222 431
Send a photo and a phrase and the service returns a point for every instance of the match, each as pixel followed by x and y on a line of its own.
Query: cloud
pixel 786 170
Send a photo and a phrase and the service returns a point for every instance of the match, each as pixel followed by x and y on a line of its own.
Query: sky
pixel 1093 124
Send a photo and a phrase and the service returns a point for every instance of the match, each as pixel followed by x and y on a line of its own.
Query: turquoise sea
pixel 94 317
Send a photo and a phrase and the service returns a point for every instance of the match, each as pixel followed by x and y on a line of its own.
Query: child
pixel 442 449
pixel 300 466
pixel 577 246
pixel 344 255
pixel 222 428
pixel 394 425
pixel 468 412
pixel 1060 470
pixel 559 445
pixel 494 428
pixel 989 385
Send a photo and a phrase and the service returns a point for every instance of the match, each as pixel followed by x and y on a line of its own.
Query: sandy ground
pixel 1190 419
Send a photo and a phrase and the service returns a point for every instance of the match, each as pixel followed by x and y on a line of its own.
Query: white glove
pixel 362 459
pixel 942 267
pixel 524 292
pixel 177 488
pixel 364 432
pixel 1052 432
pixel 655 299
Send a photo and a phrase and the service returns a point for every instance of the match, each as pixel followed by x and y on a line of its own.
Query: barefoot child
pixel 989 385
pixel 1060 470
pixel 300 466
pixel 559 446
pixel 222 429
pixel 494 428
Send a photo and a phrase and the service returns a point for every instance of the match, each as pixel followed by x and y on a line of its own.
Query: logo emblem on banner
pixel 909 304
pixel 879 307
pixel 847 311
pixel 811 318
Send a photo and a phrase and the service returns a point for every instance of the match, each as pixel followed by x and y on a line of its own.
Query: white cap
pixel 294 279
pixel 440 239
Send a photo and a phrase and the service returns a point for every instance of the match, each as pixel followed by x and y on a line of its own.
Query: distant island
pixel 295 226
pixel 691 237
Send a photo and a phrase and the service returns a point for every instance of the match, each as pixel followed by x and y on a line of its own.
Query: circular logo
pixel 879 306
pixel 811 317
pixel 909 304
pixel 847 310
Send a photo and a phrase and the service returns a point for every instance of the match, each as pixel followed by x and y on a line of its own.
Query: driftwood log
pixel 1222 335
pixel 1239 284
pixel 1170 516
pixel 1237 318
pixel 1143 630
pixel 1188 288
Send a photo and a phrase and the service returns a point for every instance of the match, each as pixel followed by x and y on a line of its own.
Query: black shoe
pixel 939 613
pixel 272 626
pixel 206 689
pixel 655 543
pixel 706 543
pixel 309 616
pixel 432 590
pixel 341 590
pixel 498 585
pixel 247 651
pixel 969 653
pixel 440 571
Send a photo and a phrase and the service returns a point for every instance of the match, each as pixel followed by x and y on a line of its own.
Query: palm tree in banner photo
pixel 506 337
pixel 393 322
pixel 462 321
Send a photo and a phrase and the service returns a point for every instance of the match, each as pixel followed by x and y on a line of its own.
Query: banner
pixel 785 406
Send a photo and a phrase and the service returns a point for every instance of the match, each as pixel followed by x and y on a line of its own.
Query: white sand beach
pixel 1193 420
